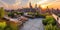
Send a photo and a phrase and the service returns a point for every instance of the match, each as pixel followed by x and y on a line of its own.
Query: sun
pixel 43 6
pixel 42 3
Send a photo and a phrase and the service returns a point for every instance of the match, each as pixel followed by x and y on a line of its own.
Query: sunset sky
pixel 14 4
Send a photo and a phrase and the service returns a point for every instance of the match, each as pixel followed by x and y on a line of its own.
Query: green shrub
pixel 44 22
pixel 11 14
pixel 49 20
pixel 14 26
pixel 51 27
pixel 48 27
pixel 7 28
pixel 2 25
pixel 50 23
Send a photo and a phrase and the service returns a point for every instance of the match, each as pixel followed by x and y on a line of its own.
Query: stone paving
pixel 33 24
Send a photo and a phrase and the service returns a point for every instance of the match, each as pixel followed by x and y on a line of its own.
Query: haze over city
pixel 14 4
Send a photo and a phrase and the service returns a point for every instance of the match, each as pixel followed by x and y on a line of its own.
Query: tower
pixel 52 10
pixel 40 9
pixel 48 10
pixel 57 10
pixel 35 5
pixel 30 5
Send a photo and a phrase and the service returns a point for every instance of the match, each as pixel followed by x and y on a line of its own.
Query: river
pixel 33 24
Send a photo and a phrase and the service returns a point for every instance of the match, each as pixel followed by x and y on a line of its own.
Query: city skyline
pixel 14 4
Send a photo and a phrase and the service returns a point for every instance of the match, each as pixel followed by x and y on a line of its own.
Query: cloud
pixel 9 1
pixel 21 3
pixel 52 2
pixel 17 2
pixel 4 4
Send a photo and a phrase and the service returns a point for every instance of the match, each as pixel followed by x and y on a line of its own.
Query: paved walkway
pixel 57 18
pixel 33 24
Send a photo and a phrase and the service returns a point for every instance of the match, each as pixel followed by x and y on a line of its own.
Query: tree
pixel 49 20
pixel 1 12
pixel 11 14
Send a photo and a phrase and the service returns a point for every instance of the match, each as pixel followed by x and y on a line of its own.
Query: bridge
pixel 57 19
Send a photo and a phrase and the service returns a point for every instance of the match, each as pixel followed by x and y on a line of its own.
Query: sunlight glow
pixel 43 6
pixel 42 1
pixel 17 2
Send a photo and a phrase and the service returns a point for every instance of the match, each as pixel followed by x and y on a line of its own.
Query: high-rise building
pixel 48 10
pixel 40 9
pixel 30 5
pixel 35 5
pixel 57 10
